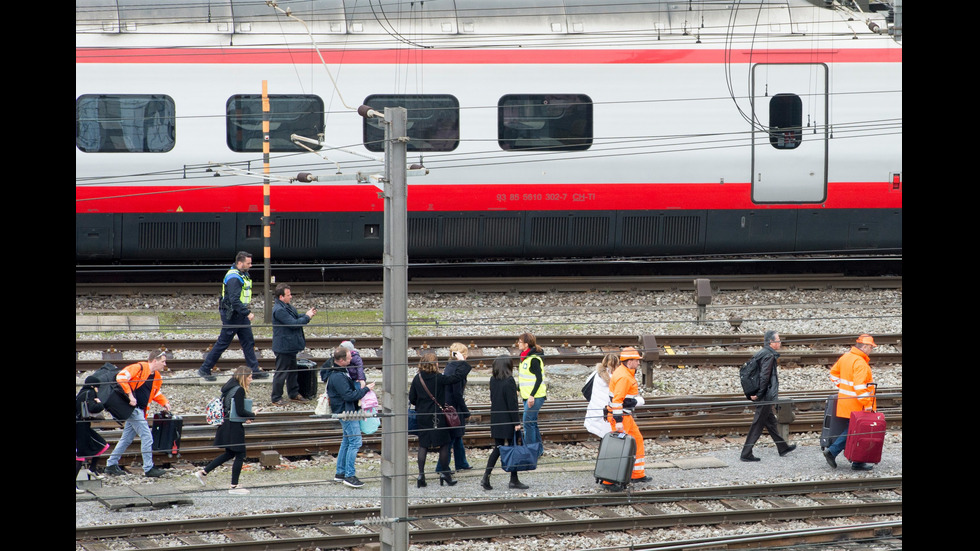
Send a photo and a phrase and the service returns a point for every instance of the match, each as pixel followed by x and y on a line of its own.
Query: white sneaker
pixel 79 490
pixel 238 491
pixel 200 477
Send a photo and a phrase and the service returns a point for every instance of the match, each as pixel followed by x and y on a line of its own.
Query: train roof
pixel 403 19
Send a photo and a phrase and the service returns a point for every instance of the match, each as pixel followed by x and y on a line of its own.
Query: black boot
pixel 516 484
pixel 486 481
pixel 747 455
pixel 420 482
pixel 447 478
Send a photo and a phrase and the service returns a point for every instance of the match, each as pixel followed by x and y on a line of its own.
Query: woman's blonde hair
pixel 241 375
pixel 609 363
pixel 428 363
pixel 458 347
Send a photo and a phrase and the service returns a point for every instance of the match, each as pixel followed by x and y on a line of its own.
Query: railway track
pixel 298 434
pixel 424 285
pixel 671 350
pixel 532 517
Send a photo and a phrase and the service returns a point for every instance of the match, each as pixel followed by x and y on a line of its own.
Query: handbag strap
pixel 421 380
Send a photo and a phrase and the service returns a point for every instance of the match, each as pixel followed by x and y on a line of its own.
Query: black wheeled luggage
pixel 833 426
pixel 166 432
pixel 306 378
pixel 617 455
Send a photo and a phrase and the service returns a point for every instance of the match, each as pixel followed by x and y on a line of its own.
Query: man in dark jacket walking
pixel 287 341
pixel 768 393
pixel 344 394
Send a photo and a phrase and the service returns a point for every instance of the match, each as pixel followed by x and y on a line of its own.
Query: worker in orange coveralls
pixel 624 395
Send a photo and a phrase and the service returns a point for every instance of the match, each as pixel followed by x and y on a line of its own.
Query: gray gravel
pixel 564 469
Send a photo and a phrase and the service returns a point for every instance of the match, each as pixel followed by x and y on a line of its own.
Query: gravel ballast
pixel 565 469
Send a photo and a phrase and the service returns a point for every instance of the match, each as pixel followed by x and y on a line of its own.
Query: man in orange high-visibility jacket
pixel 140 382
pixel 624 395
pixel 852 377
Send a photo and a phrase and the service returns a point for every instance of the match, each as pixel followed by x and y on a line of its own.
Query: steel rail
pixel 645 503
pixel 421 285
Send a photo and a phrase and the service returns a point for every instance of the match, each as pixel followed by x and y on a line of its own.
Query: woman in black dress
pixel 505 416
pixel 231 434
pixel 433 429
pixel 89 444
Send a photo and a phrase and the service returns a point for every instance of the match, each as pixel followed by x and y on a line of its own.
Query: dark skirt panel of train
pixel 358 236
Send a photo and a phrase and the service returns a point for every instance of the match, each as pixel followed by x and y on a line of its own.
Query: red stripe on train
pixel 473 197
pixel 480 57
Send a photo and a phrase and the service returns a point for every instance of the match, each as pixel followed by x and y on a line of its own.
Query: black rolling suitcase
pixel 833 426
pixel 166 432
pixel 617 454
pixel 306 378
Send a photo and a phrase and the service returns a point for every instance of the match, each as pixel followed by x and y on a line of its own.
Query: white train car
pixel 548 128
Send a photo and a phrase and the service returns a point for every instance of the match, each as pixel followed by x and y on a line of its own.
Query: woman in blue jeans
pixel 531 385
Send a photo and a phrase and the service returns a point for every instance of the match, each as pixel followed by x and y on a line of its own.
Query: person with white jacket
pixel 595 415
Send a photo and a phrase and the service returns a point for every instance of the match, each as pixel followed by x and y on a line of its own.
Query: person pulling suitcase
pixel 852 377
pixel 624 395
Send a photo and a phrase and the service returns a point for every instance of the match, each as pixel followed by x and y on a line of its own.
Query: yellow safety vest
pixel 526 379
pixel 246 295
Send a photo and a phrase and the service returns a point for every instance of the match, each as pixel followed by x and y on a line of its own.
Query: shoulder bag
pixel 523 457
pixel 452 418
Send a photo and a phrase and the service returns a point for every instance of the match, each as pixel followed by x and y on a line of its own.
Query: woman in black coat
pixel 89 444
pixel 433 429
pixel 505 416
pixel 231 434
pixel 455 397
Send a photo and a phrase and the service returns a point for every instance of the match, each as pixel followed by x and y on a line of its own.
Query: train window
pixel 785 121
pixel 125 123
pixel 553 122
pixel 288 115
pixel 433 121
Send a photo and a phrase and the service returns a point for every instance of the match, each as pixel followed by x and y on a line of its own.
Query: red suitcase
pixel 865 436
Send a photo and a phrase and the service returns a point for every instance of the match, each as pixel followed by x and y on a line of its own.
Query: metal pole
pixel 266 205
pixel 394 402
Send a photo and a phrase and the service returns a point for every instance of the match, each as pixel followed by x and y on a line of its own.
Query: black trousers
pixel 236 466
pixel 764 418
pixel 285 373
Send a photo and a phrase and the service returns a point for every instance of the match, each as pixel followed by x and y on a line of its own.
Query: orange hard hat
pixel 866 339
pixel 629 353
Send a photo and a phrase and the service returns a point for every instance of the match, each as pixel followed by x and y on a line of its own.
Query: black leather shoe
pixel 830 459
pixel 205 375
pixel 862 466
pixel 788 449
pixel 749 457
pixel 260 375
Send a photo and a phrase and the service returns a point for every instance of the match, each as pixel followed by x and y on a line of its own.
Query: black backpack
pixel 749 375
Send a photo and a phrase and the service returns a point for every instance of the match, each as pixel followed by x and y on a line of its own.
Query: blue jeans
pixel 530 422
pixel 236 324
pixel 136 425
pixel 348 448
pixel 839 444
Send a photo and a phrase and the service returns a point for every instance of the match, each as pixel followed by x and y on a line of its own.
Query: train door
pixel 790 132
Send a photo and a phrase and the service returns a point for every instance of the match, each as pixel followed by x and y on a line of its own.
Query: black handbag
pixel 587 388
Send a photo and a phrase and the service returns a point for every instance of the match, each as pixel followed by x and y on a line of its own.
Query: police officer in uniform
pixel 236 318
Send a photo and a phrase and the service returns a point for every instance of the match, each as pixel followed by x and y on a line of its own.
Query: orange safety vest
pixel 134 375
pixel 851 375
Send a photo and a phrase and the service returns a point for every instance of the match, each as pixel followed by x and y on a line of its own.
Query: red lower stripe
pixel 537 197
